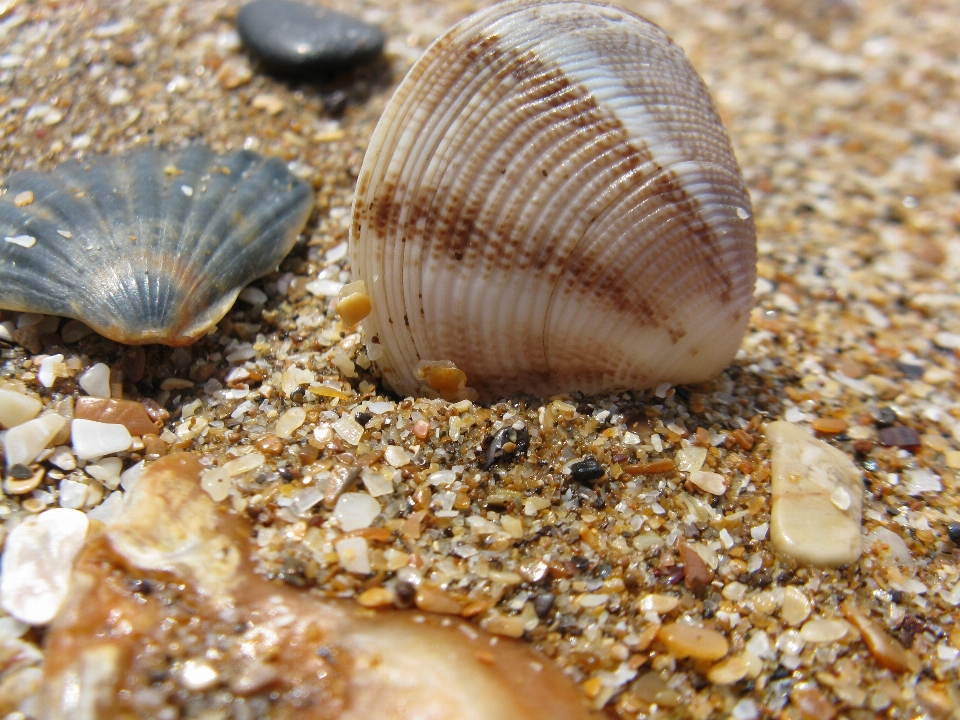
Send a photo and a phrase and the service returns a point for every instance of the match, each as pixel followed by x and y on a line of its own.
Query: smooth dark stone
pixel 586 471
pixel 953 530
pixel 899 436
pixel 542 603
pixel 306 41
pixel 884 417
pixel 911 371
pixel 506 444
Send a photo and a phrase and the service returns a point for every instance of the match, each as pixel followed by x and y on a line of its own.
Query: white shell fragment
pixel 37 562
pixel 23 443
pixel 116 243
pixel 17 407
pixel 550 203
pixel 92 439
pixel 817 496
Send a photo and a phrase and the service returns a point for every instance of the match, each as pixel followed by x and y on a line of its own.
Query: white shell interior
pixel 550 202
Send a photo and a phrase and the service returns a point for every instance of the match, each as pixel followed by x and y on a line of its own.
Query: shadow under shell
pixel 149 246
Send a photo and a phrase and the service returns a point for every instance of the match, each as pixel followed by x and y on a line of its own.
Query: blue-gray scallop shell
pixel 149 246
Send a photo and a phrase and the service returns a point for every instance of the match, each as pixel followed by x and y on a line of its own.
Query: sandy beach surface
pixel 845 118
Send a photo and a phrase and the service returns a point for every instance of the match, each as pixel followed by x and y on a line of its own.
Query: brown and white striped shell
pixel 549 204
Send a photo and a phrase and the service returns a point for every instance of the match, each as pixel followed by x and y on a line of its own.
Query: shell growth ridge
pixel 149 246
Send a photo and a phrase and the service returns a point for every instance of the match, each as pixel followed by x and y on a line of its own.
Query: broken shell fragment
pixel 150 246
pixel 550 204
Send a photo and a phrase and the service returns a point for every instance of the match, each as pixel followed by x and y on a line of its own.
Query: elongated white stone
pixel 817 497
pixel 16 408
pixel 37 562
pixel 92 439
pixel 23 443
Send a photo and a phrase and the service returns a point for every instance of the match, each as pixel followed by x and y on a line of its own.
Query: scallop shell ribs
pixel 146 247
pixel 549 204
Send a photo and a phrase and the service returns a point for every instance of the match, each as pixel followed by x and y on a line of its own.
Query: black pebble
pixel 780 672
pixel 363 418
pixel 506 444
pixel 406 592
pixel 542 603
pixel 911 371
pixel 20 472
pixel 580 562
pixel 587 470
pixel 884 417
pixel 953 530
pixel 306 41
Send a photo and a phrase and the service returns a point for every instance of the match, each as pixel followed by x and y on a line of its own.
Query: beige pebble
pixel 817 496
pixel 812 704
pixel 24 198
pixel 432 599
pixel 233 74
pixel 506 625
pixel 824 630
pixel 796 607
pixel 952 459
pixel 353 303
pixel 270 104
pixel 660 604
pixel 683 640
pixel 728 671
pixel 376 597
pixel 711 482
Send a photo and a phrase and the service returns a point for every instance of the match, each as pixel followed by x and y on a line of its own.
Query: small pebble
pixel 506 444
pixel 356 510
pixel 829 426
pixel 107 471
pixel 812 704
pixel 16 408
pixel 711 482
pixel 824 630
pixel 96 381
pixel 899 436
pixel 796 607
pixel 352 555
pixel 696 573
pixel 396 456
pixel 729 671
pixel 93 439
pixel 586 471
pixel 23 443
pixel 817 496
pixel 129 413
pixel 683 640
pixel 37 563
pixel 953 531
pixel 306 41
pixel 660 604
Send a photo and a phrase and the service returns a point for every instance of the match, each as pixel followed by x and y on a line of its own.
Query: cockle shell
pixel 549 204
pixel 150 246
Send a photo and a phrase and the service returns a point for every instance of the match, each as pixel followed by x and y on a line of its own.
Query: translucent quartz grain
pixel 817 495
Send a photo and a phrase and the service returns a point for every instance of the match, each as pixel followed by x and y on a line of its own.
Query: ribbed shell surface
pixel 147 247
pixel 550 202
